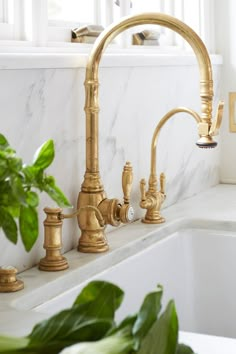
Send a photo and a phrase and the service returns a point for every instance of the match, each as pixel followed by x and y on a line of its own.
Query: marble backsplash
pixel 38 104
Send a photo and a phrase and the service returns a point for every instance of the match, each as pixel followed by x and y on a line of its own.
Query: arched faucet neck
pixel 92 83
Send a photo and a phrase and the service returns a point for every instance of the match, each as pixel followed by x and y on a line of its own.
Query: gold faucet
pixel 153 199
pixel 92 193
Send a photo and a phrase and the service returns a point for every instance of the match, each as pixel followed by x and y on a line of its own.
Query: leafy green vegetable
pixel 89 319
pixel 11 344
pixel 111 345
pixel 163 336
pixel 97 296
pixel 184 349
pixel 147 315
pixel 88 327
pixel 19 188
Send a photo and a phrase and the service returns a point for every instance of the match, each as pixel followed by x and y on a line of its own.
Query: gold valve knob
pixel 162 183
pixel 217 122
pixel 8 281
pixel 126 211
pixel 143 189
pixel 127 180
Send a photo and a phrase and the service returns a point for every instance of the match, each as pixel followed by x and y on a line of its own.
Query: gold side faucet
pixel 153 199
pixel 92 192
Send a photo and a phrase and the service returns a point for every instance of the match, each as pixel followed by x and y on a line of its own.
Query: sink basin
pixel 196 266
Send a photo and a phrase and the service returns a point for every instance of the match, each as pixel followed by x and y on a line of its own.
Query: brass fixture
pixel 113 211
pixel 8 281
pixel 53 260
pixel 146 37
pixel 87 34
pixel 232 112
pixel 92 193
pixel 153 199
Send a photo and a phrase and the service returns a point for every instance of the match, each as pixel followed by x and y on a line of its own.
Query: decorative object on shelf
pixel 8 281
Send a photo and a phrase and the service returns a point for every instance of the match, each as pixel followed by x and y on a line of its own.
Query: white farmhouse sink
pixel 197 267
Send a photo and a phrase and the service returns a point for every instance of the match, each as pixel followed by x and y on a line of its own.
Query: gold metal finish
pixel 113 212
pixel 53 261
pixel 8 281
pixel 215 127
pixel 232 112
pixel 92 193
pixel 146 37
pixel 87 34
pixel 153 199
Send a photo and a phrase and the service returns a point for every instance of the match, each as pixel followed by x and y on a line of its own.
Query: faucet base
pixel 93 242
pixel 53 265
pixel 155 219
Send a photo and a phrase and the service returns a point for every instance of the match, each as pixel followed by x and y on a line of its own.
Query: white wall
pixel 226 46
pixel 38 104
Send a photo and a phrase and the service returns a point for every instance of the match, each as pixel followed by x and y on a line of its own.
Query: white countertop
pixel 214 208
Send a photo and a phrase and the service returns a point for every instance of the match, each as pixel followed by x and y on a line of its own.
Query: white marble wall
pixel 38 104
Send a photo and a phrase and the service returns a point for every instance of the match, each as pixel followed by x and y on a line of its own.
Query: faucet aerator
pixel 205 143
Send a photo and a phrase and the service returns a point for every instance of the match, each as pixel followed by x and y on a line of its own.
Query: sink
pixel 196 267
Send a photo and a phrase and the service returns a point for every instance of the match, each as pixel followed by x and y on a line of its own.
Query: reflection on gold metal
pixel 8 281
pixel 92 193
pixel 53 261
pixel 232 112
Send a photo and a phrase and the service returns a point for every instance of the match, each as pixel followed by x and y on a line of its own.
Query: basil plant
pixel 20 185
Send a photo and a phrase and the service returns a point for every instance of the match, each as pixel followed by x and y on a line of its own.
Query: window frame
pixel 44 33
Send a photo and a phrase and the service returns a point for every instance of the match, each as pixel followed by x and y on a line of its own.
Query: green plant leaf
pixel 125 327
pixel 184 349
pixel 89 319
pixel 54 192
pixel 147 315
pixel 110 345
pixel 90 325
pixel 162 338
pixel 3 142
pixel 31 174
pixel 16 185
pixel 32 199
pixel 101 298
pixel 19 187
pixel 3 168
pixel 8 225
pixel 44 155
pixel 12 344
pixel 28 226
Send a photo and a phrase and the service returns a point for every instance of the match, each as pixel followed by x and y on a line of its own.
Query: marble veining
pixel 38 104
